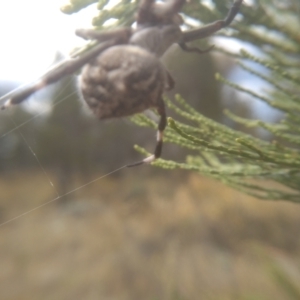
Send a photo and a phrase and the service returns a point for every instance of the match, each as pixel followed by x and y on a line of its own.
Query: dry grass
pixel 158 238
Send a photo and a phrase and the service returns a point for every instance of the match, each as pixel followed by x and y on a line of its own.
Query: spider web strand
pixel 36 158
pixel 41 113
pixel 61 196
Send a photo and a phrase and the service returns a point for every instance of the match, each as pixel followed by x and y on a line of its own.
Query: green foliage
pixel 239 160
pixel 228 155
pixel 76 5
pixel 123 11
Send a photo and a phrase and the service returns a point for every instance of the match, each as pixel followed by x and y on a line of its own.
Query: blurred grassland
pixel 158 237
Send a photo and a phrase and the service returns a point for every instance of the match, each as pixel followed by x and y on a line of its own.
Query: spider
pixel 122 75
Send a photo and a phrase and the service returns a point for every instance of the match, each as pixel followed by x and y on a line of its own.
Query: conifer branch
pixel 235 158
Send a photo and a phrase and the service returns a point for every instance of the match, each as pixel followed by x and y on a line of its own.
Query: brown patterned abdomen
pixel 122 81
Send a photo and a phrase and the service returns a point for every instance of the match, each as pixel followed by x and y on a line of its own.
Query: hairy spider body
pixel 122 81
pixel 122 75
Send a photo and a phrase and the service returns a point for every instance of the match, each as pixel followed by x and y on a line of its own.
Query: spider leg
pixel 151 13
pixel 122 34
pixel 144 14
pixel 206 31
pixel 170 81
pixel 186 48
pixel 168 8
pixel 56 73
pixel 161 127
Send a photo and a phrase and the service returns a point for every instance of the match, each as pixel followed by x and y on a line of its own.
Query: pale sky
pixel 32 31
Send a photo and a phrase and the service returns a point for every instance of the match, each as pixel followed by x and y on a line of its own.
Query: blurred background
pixel 140 233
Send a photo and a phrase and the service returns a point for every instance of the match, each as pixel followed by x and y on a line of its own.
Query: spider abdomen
pixel 122 81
